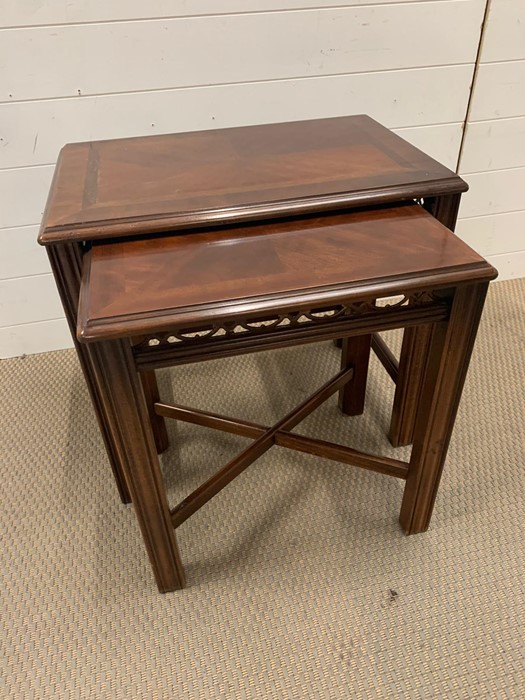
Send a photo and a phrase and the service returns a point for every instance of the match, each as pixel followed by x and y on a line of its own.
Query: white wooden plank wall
pixel 492 215
pixel 93 69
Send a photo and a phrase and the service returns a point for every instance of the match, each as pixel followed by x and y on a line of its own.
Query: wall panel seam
pixel 496 213
pixel 497 119
pixel 211 15
pixel 25 167
pixel 24 277
pixel 8 228
pixel 198 86
pixel 484 216
pixel 496 170
pixel 157 133
pixel 502 61
pixel 473 83
pixel 33 323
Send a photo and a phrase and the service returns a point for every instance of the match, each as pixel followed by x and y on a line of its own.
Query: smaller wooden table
pixel 154 302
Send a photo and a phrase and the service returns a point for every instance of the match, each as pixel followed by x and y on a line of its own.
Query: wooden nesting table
pixel 139 187
pixel 168 300
pixel 116 201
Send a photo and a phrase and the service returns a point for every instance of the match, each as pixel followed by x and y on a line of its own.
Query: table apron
pixel 206 349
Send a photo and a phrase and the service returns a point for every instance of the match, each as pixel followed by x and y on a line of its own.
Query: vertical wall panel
pixel 493 155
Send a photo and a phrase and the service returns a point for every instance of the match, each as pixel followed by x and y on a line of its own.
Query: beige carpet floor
pixel 301 584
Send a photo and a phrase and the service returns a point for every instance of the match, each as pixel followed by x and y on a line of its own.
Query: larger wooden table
pixel 140 187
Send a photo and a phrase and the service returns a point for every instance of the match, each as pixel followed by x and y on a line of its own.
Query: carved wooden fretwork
pixel 283 321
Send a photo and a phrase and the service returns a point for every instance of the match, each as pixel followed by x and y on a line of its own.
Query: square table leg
pixel 158 424
pixel 412 362
pixel 355 352
pixel 415 345
pixel 66 263
pixel 450 348
pixel 143 475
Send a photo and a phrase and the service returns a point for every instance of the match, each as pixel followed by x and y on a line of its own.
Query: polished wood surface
pixel 66 263
pixel 141 466
pixel 207 167
pixel 415 346
pixel 452 315
pixel 448 356
pixel 158 426
pixel 139 296
pixel 385 356
pixel 178 279
pixel 149 184
pixel 355 352
pixel 262 444
pixel 284 438
pixel 155 349
pixel 285 270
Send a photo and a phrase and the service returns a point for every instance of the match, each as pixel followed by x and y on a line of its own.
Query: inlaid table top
pixel 138 186
pixel 144 284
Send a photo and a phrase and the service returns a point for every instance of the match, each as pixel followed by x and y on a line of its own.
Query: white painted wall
pixel 492 215
pixel 93 69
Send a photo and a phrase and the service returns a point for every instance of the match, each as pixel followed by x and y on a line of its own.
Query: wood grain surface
pixel 160 183
pixel 224 271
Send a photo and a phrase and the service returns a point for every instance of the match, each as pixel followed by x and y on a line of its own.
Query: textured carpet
pixel 301 583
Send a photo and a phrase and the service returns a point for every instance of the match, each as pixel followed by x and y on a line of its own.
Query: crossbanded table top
pixel 143 185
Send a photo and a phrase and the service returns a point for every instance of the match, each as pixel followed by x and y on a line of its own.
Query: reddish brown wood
pixel 262 444
pixel 158 426
pixel 450 348
pixel 149 284
pixel 444 208
pixel 341 301
pixel 301 443
pixel 343 454
pixel 355 352
pixel 385 356
pixel 414 349
pixel 66 263
pixel 140 187
pixel 408 390
pixel 143 474
pixel 234 426
pixel 133 187
pixel 161 183
pixel 167 354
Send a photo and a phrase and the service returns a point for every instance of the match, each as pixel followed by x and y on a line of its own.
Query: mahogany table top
pixel 150 184
pixel 140 285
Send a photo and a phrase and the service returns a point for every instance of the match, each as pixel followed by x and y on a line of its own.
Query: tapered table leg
pixel 146 485
pixel 450 348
